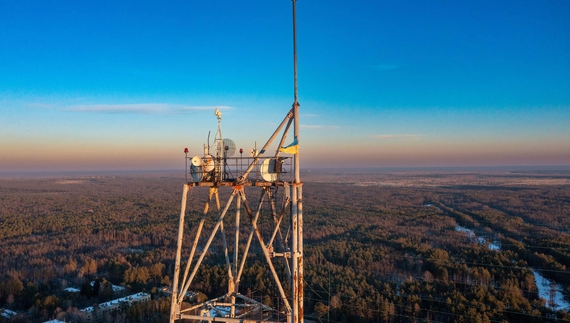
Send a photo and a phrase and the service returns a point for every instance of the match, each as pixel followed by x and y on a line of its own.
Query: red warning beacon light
pixel 185 150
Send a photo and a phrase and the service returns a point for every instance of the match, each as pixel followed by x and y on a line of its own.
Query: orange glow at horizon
pixel 154 155
pixel 423 153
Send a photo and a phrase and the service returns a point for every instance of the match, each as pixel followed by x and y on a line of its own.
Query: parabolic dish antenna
pixel 267 170
pixel 228 147
pixel 196 172
pixel 208 163
pixel 197 161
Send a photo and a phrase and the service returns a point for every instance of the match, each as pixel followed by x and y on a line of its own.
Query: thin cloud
pixel 317 127
pixel 398 136
pixel 145 108
pixel 40 105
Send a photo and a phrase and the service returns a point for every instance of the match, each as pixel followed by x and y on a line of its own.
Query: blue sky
pixel 106 85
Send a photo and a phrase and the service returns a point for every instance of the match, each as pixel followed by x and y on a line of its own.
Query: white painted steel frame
pixel 294 310
pixel 180 287
pixel 291 244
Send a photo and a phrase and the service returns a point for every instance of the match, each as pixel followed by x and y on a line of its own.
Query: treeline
pixel 535 229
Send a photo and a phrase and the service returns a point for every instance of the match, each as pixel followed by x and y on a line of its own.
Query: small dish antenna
pixel 267 170
pixel 228 147
pixel 197 161
pixel 208 163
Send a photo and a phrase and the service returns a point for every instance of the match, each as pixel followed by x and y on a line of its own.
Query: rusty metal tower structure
pixel 280 249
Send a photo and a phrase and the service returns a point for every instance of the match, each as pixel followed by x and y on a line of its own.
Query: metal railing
pixel 229 169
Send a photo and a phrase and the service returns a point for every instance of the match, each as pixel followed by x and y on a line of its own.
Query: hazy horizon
pixel 305 171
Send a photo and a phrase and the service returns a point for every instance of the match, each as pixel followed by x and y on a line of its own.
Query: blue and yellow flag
pixel 292 148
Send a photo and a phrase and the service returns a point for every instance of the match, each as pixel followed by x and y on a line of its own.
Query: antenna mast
pixel 296 94
pixel 224 172
pixel 296 200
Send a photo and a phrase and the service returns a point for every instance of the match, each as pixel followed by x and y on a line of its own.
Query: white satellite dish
pixel 208 163
pixel 228 148
pixel 267 170
pixel 197 161
pixel 196 173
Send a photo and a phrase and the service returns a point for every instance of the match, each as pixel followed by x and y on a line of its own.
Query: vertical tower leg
pixel 233 284
pixel 300 264
pixel 297 254
pixel 174 310
pixel 294 259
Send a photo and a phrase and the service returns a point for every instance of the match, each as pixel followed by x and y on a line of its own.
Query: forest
pixel 382 246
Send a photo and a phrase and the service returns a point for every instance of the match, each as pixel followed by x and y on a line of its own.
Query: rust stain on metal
pixel 301 292
pixel 259 236
pixel 247 209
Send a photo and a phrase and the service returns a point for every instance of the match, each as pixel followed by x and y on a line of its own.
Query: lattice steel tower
pixel 277 178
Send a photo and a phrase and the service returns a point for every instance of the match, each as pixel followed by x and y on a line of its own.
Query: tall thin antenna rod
pixel 297 313
pixel 296 103
pixel 295 47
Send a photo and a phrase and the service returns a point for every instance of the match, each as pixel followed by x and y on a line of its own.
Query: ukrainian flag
pixel 292 148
